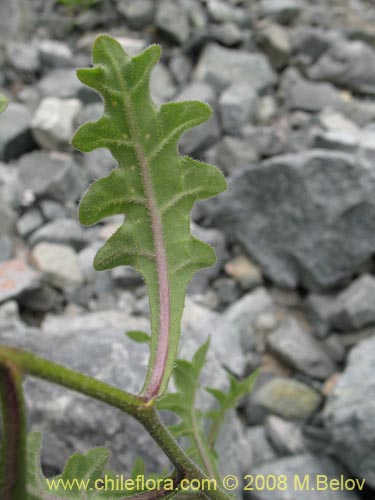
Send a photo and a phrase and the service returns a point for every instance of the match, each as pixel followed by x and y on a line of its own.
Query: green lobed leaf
pixel 80 473
pixel 3 103
pixel 138 336
pixel 227 401
pixel 183 402
pixel 154 187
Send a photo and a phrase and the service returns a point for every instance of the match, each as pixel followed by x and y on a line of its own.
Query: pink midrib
pixel 159 367
pixel 158 371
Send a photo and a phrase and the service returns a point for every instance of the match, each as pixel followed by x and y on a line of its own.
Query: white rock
pixel 59 263
pixel 53 122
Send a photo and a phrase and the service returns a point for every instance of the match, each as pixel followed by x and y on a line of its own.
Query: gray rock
pixel 54 122
pixel 275 43
pixel 312 41
pixel 296 469
pixel 53 175
pixel 244 272
pixel 10 17
pixel 58 263
pixel 29 222
pixel 65 232
pixel 217 240
pixel 282 11
pixel 99 163
pixel 15 135
pixel 172 20
pixel 43 299
pixel 181 68
pixel 312 219
pixel 15 278
pixel 23 57
pixel 260 445
pixel 222 12
pixel 310 96
pixel 297 347
pixel 243 315
pixel 7 218
pixel 339 140
pixel 228 34
pixel 237 107
pixel 6 248
pixel 349 413
pixel 288 398
pixel 202 137
pixel 137 14
pixel 224 339
pixel 347 64
pixel 233 154
pixel 54 53
pixel 63 83
pixel 220 66
pixel 162 87
pixel 52 210
pixel 321 309
pixel 286 437
pixel 354 307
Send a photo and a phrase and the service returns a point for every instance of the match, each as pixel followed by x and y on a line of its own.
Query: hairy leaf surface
pixel 154 187
pixel 186 375
pixel 227 401
pixel 78 479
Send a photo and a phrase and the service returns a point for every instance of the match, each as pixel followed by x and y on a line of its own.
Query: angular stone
pixel 275 43
pixel 237 107
pixel 15 277
pixel 54 53
pixel 298 348
pixel 348 415
pixel 354 306
pixel 227 34
pixel 53 175
pixel 351 309
pixel 296 469
pixel 172 20
pixel 220 66
pixel 10 18
pixel 311 96
pixel 339 140
pixel 222 12
pixel 242 315
pixel 312 219
pixel 29 222
pixel 288 398
pixel 23 57
pixel 347 64
pixel 285 436
pixel 64 232
pixel 162 87
pixel 258 441
pixel 282 11
pixel 233 154
pixel 58 263
pixel 247 274
pixel 63 83
pixel 54 122
pixel 15 135
pixel 137 14
pixel 7 218
pixel 6 248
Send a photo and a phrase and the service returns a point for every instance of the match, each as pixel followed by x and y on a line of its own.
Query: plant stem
pixel 133 405
pixel 13 460
pixel 71 379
